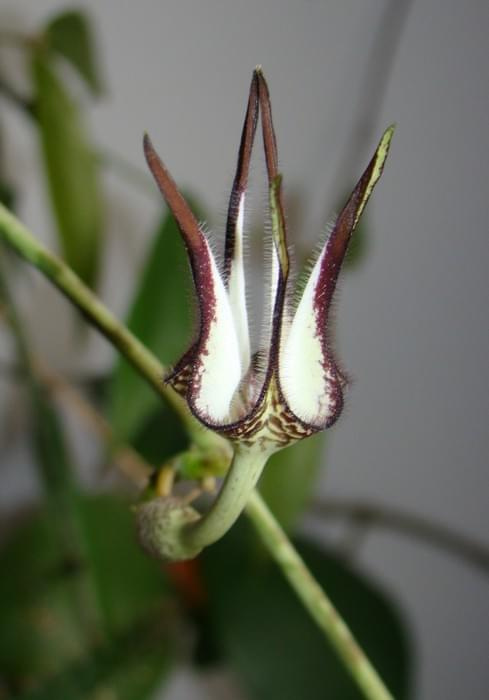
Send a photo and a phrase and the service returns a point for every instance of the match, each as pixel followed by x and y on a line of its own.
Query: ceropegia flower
pixel 296 388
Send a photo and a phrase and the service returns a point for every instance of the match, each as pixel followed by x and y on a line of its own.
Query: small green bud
pixel 160 525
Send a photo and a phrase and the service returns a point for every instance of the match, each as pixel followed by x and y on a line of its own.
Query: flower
pixel 292 387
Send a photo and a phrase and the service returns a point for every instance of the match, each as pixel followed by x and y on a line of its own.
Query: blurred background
pixel 412 325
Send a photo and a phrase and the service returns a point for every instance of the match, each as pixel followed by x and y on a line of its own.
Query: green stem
pixel 240 481
pixel 229 499
pixel 171 530
pixel 315 600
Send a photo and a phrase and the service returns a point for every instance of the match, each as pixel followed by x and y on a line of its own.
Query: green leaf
pixel 55 468
pixel 71 169
pixel 7 195
pixel 69 34
pixel 273 647
pixel 160 318
pixel 40 629
pixel 130 585
pixel 160 436
pixel 44 645
pixel 7 192
pixel 130 670
pixel 289 477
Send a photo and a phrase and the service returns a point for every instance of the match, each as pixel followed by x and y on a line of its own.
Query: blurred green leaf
pixel 76 590
pixel 130 670
pixel 160 318
pixel 53 460
pixel 75 608
pixel 71 169
pixel 126 672
pixel 69 34
pixel 44 647
pixel 160 436
pixel 7 195
pixel 40 629
pixel 130 584
pixel 7 192
pixel 289 478
pixel 273 647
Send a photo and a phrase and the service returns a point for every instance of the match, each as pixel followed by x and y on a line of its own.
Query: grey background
pixel 412 322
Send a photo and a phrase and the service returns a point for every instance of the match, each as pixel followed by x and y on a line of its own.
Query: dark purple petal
pixel 240 182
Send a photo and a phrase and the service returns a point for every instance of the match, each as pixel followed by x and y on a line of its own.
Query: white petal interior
pixel 272 275
pixel 305 382
pixel 220 369
pixel 237 290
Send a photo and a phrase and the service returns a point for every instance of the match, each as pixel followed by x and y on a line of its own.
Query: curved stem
pixel 235 492
pixel 315 600
pixel 171 530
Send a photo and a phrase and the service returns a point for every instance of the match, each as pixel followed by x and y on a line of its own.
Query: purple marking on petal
pixel 269 139
pixel 240 182
pixel 330 263
pixel 196 246
pixel 277 213
pixel 339 239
